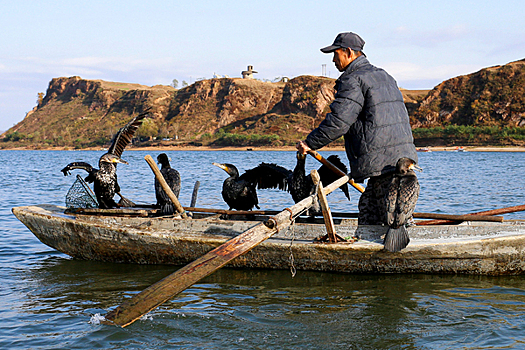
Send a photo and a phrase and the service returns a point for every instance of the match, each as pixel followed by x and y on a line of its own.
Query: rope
pixel 291 214
pixel 293 270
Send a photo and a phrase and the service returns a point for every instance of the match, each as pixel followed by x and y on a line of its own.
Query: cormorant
pixel 172 178
pixel 238 191
pixel 400 202
pixel 104 179
pixel 300 185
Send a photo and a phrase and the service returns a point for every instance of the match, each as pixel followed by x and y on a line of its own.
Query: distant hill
pixel 486 107
pixel 493 96
pixel 79 113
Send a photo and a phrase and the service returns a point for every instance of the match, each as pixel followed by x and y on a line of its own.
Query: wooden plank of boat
pixel 158 293
pixel 109 212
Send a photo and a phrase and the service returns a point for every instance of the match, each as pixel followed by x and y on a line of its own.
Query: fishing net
pixel 80 195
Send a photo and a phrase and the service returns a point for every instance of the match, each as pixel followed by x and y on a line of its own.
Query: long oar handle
pixel 335 169
pixel 165 187
pixel 156 294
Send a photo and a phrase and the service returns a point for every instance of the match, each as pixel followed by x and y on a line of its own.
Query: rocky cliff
pixel 78 113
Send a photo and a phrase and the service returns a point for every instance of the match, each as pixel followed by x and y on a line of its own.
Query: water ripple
pixel 48 298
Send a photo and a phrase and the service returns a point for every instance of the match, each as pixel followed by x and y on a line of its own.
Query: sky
pixel 153 42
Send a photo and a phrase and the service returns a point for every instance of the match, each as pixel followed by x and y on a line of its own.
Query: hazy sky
pixel 420 43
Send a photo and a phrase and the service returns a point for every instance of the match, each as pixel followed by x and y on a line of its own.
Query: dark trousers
pixel 372 208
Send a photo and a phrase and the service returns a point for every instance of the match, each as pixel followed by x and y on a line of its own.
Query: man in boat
pixel 370 113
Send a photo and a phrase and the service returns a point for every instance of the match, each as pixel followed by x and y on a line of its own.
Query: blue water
pixel 48 299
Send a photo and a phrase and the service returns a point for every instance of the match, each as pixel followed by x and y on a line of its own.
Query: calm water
pixel 48 299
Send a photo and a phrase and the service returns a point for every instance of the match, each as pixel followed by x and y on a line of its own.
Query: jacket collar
pixel 355 64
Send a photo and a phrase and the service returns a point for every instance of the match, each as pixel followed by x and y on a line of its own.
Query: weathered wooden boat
pixel 489 248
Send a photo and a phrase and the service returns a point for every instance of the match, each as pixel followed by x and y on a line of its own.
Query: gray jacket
pixel 369 111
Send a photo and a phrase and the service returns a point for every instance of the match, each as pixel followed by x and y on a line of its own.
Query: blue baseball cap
pixel 346 40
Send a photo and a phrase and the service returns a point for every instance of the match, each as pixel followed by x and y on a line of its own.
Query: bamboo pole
pixel 165 187
pixel 335 169
pixel 158 293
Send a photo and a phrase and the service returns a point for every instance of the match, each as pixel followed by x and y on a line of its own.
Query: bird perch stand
pixel 165 186
pixel 327 215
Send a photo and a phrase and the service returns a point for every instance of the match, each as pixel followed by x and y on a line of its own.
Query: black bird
pixel 104 180
pixel 400 202
pixel 300 185
pixel 238 191
pixel 172 178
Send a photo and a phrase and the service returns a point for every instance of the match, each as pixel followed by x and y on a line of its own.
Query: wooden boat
pixel 488 248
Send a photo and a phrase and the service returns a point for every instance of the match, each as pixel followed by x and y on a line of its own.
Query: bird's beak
pixel 118 160
pixel 222 166
pixel 417 167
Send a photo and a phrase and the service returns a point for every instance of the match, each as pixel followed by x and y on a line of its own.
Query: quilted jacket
pixel 368 110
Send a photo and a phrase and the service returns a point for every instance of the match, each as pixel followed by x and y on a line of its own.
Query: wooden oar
pixel 335 169
pixel 165 186
pixel 487 212
pixel 142 303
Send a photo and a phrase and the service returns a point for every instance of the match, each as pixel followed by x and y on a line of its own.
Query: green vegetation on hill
pixel 469 135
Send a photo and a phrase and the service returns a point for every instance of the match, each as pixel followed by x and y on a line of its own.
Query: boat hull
pixel 471 248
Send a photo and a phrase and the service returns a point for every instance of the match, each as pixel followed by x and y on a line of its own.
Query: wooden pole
pixel 165 187
pixel 458 217
pixel 335 169
pixel 194 194
pixel 500 211
pixel 327 215
pixel 142 212
pixel 465 217
pixel 158 293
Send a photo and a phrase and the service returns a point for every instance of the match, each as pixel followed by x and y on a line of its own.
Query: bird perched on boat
pixel 172 178
pixel 239 192
pixel 300 185
pixel 104 179
pixel 400 202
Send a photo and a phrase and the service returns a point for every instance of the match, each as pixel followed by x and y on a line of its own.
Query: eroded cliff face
pixel 491 96
pixel 76 111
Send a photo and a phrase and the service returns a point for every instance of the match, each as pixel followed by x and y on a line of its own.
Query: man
pixel 369 112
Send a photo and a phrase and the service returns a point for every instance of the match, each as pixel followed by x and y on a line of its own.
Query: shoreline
pixel 285 148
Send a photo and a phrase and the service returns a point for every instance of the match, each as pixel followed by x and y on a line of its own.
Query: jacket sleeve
pixel 345 109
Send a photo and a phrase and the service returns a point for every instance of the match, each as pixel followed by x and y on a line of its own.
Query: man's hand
pixel 302 147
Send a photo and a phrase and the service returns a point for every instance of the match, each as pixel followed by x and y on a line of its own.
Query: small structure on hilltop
pixel 248 74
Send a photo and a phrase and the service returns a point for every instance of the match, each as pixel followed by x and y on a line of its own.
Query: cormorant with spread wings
pixel 104 179
pixel 239 192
